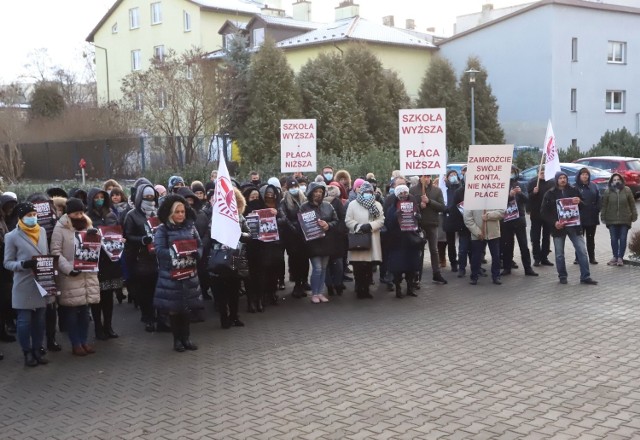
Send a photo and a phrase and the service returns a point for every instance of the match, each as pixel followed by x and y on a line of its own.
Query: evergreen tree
pixel 488 129
pixel 46 101
pixel 329 95
pixel 273 95
pixel 439 89
pixel 373 89
pixel 235 86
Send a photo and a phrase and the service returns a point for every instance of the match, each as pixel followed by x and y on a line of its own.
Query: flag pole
pixel 539 168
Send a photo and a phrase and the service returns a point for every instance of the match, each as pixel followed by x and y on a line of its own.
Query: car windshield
pixel 633 165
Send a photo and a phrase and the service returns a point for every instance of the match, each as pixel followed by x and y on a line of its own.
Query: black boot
pixel 410 284
pixel 331 291
pixel 120 296
pixel 186 341
pixel 52 345
pixel 40 357
pixel 29 359
pixel 399 291
pixel 96 313
pixel 174 320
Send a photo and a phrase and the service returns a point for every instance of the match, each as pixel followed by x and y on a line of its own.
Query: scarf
pixel 32 233
pixel 369 204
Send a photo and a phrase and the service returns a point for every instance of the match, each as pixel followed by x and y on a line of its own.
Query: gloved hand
pixel 74 273
pixel 245 238
pixel 147 239
pixel 366 228
pixel 92 231
pixel 28 264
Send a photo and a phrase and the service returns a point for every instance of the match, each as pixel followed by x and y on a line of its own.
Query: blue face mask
pixel 303 189
pixel 30 221
pixel 513 177
pixel 392 191
pixel 328 176
pixel 367 196
pixel 453 179
pixel 294 191
pixel 99 203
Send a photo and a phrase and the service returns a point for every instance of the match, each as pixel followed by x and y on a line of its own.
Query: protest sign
pixel 268 230
pixel 298 145
pixel 423 141
pixel 487 177
pixel 183 259
pixel 309 225
pixel 253 222
pixel 568 212
pixel 150 227
pixel 87 251
pixel 512 212
pixel 45 272
pixel 112 241
pixel 407 216
pixel 44 212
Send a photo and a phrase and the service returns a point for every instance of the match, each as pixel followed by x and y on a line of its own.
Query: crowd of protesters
pixel 371 228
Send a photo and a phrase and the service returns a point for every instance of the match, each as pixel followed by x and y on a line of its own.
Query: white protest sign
pixel 487 179
pixel 423 141
pixel 298 145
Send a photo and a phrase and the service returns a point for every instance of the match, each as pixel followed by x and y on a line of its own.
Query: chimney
pixel 388 21
pixel 487 7
pixel 302 10
pixel 411 24
pixel 347 9
pixel 273 8
pixel 431 30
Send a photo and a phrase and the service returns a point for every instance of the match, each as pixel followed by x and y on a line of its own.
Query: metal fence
pixel 116 158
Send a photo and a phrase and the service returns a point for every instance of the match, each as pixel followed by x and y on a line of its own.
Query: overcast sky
pixel 61 26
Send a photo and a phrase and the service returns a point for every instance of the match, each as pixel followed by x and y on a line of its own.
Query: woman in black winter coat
pixel 451 223
pixel 110 272
pixel 292 237
pixel 178 247
pixel 589 210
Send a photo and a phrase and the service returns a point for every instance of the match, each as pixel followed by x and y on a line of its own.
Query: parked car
pixel 598 176
pixel 628 167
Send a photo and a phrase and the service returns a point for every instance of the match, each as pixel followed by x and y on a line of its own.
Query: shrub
pixel 634 243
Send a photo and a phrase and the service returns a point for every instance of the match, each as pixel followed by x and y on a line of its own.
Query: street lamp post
pixel 472 82
pixel 106 60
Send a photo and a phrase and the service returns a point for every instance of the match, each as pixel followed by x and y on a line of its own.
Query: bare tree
pixel 175 98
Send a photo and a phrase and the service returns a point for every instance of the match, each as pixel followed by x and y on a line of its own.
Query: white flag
pixel 552 161
pixel 442 180
pixel 225 222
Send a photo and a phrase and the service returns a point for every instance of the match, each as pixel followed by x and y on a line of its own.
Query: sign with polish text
pixel 487 179
pixel 298 145
pixel 423 141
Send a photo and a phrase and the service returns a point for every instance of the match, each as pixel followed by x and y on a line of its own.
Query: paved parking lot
pixel 528 359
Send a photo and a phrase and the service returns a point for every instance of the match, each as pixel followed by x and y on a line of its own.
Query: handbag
pixel 360 241
pixel 416 239
pixel 227 262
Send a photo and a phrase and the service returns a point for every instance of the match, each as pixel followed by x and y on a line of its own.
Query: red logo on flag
pixel 551 149
pixel 226 200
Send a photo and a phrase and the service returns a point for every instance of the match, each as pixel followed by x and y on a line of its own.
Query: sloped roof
pixel 285 22
pixel 356 29
pixel 245 7
pixel 606 7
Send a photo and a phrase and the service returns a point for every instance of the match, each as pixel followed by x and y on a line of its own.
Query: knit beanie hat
pixel 23 209
pixel 148 191
pixel 160 188
pixel 74 205
pixel 401 189
pixel 174 180
pixel 357 184
pixel 366 187
pixel 275 182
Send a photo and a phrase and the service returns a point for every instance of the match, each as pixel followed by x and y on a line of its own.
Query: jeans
pixel 318 274
pixel 540 231
pixel 581 253
pixel 77 324
pixel 477 251
pixel 464 248
pixel 618 235
pixel 335 272
pixel 30 328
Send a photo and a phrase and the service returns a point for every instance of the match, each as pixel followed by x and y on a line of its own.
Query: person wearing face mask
pixel 515 226
pixel 319 249
pixel 293 239
pixel 403 253
pixel 335 267
pixel 78 290
pixel 618 213
pixel 140 257
pixel 452 223
pixel 327 174
pixel 365 215
pixel 560 232
pixel 254 179
pixel 119 204
pixel 20 246
pixel 590 213
pixel 109 272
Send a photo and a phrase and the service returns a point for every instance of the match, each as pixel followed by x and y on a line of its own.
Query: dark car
pixel 627 167
pixel 598 176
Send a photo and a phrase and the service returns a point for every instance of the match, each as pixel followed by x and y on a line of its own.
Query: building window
pixel 617 52
pixel 114 28
pixel 258 37
pixel 158 52
pixel 187 21
pixel 134 18
pixel 162 100
pixel 574 100
pixel 574 49
pixel 615 101
pixel 138 102
pixel 227 40
pixel 156 13
pixel 136 59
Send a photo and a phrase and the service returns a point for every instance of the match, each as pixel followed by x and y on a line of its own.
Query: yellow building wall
pixel 170 33
pixel 410 63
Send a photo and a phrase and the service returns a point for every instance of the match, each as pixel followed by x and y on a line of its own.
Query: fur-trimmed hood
pixel 165 208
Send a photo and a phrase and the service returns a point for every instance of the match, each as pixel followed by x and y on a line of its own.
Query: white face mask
pixel 303 189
